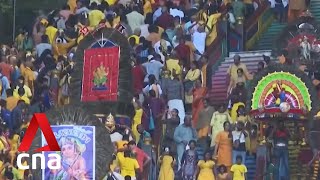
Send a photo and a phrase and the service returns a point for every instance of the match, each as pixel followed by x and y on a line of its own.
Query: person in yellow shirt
pixel 239 170
pixel 20 95
pixel 21 83
pixel 11 100
pixel 73 5
pixel 136 35
pixel 213 25
pixel 51 30
pixel 147 7
pixel 234 111
pixel 95 16
pixel 62 45
pixel 173 65
pixel 128 165
pixel 110 2
pixel 29 76
pixel 233 69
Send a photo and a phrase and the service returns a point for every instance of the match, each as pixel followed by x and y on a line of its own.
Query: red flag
pixel 100 74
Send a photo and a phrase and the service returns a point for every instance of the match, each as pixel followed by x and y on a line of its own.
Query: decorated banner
pixel 77 145
pixel 100 74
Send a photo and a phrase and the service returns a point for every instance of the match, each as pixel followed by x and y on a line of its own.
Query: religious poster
pixel 100 74
pixel 77 153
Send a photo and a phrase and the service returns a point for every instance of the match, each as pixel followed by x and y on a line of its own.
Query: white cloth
pixel 152 67
pixel 177 104
pixel 285 3
pixel 176 12
pixel 199 41
pixel 144 30
pixel 116 137
pixel 135 20
pixel 148 88
pixel 231 19
pixel 175 41
pixel 157 14
pixel 236 136
pixel 157 46
pixel 272 3
pixel 82 10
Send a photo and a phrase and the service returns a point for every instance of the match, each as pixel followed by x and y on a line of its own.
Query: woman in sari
pixel 199 93
pixel 203 125
pixel 217 121
pixel 189 161
pixel 167 163
pixel 189 81
pixel 223 148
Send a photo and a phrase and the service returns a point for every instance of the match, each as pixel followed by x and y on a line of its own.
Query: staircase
pixel 267 39
pixel 218 92
pixel 251 166
pixel 315 8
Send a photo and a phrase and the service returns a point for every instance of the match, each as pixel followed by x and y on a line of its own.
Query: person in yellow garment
pixel 233 69
pixel 62 44
pixel 128 164
pixel 217 121
pixel 167 162
pixel 137 119
pixel 20 95
pixel 95 16
pixel 136 35
pixel 239 170
pixel 73 5
pixel 9 172
pixel 51 31
pixel 147 7
pixel 205 168
pixel 213 25
pixel 173 65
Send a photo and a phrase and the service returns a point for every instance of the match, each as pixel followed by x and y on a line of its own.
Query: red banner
pixel 100 74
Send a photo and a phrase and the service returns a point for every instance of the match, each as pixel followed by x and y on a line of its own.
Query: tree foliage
pixel 5 6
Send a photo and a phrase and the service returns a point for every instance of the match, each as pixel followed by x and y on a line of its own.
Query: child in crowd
pixel 222 173
pixel 239 170
pixel 273 170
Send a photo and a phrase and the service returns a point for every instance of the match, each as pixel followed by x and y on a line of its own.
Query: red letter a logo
pixel 39 120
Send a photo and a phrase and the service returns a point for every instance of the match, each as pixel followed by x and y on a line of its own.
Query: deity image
pixel 305 48
pixel 73 165
pixel 100 77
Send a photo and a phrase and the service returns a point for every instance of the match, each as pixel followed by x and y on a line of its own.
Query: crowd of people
pixel 172 118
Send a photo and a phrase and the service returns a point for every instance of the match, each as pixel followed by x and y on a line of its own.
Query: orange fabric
pixel 154 38
pixel 282 59
pixel 203 132
pixel 224 148
pixel 197 103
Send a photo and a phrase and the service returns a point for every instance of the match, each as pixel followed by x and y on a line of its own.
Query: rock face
pixel 76 114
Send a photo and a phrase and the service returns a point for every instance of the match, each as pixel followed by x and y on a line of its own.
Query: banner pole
pixel 14 20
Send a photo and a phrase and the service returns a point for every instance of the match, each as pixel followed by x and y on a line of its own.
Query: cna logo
pixel 39 120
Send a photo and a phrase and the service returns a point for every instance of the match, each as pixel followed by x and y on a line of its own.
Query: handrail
pixel 254 18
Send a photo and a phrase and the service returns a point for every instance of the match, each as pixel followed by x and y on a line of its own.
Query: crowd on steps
pixel 173 118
